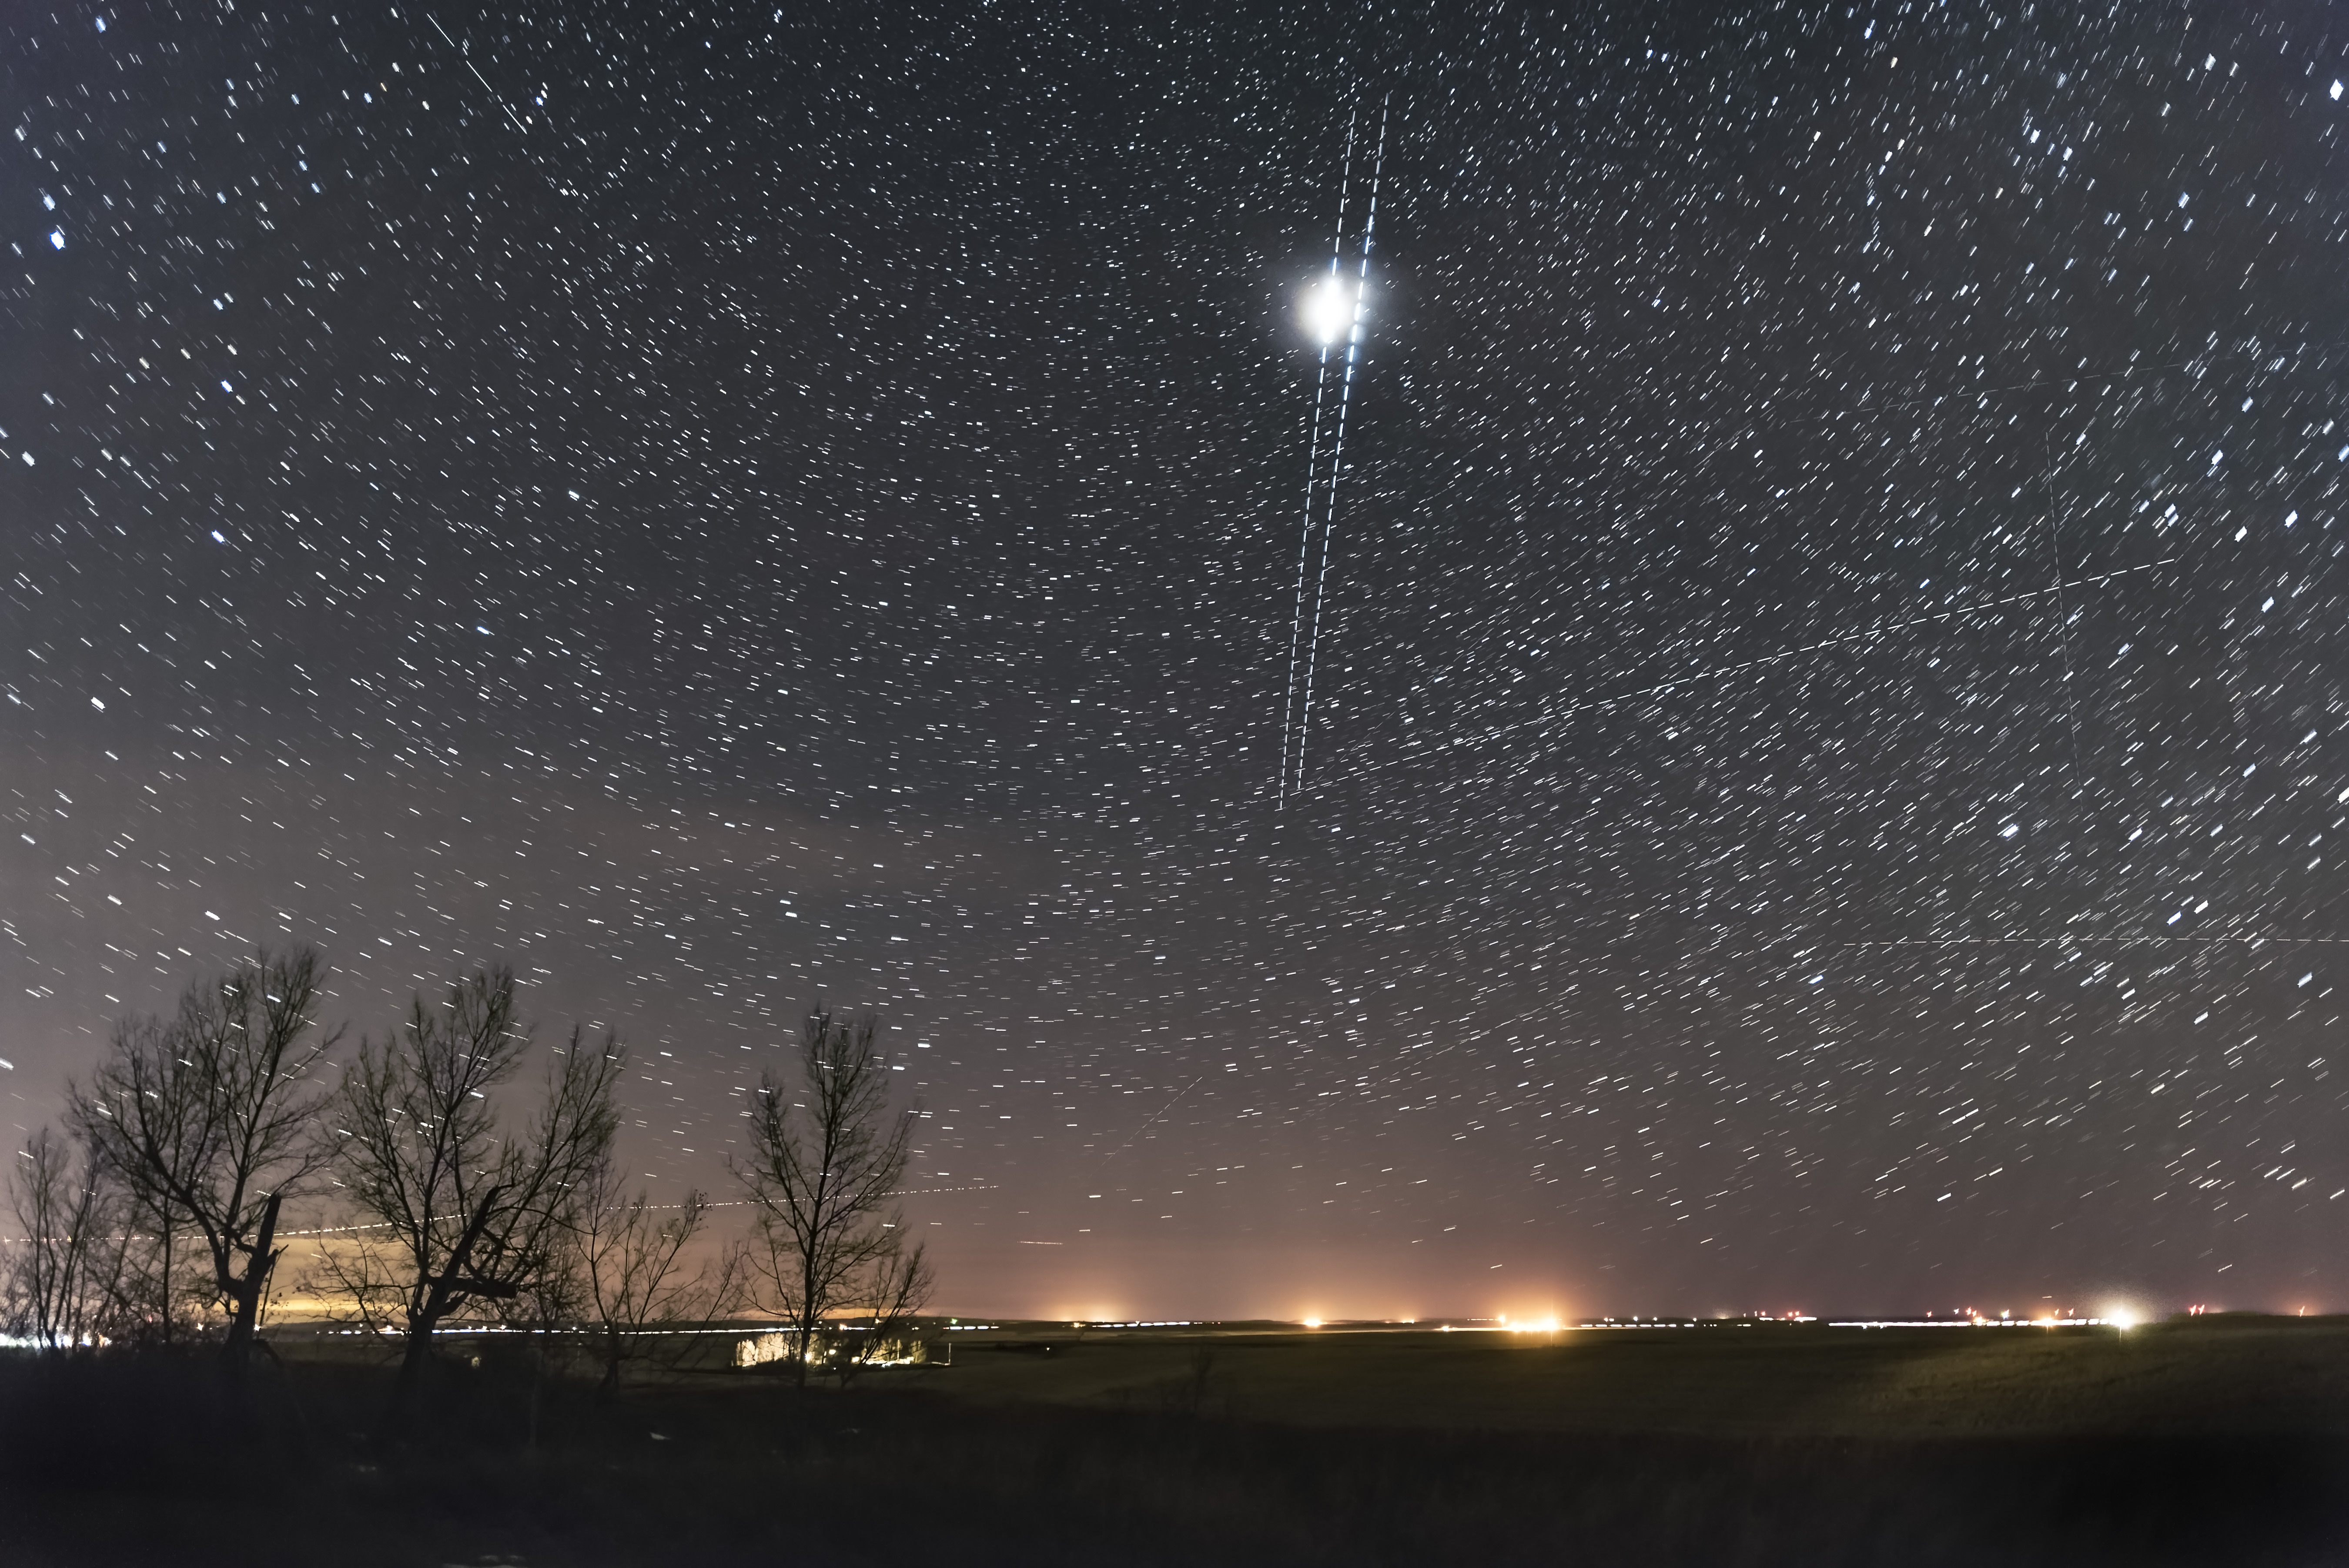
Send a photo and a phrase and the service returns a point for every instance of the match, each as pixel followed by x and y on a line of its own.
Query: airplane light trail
pixel 1297 718
pixel 1880 629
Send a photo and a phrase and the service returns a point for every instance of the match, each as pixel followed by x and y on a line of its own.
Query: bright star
pixel 1330 308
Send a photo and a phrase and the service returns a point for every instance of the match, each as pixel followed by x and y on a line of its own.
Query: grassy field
pixel 2216 1442
pixel 2272 1376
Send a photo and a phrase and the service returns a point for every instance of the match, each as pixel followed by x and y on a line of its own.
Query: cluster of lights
pixel 1502 1324
pixel 766 1348
pixel 1138 1323
pixel 774 1346
pixel 760 1349
pixel 2116 1316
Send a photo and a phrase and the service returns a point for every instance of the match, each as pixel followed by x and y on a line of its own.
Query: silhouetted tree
pixel 207 1121
pixel 894 1289
pixel 822 1173
pixel 467 1207
pixel 61 1275
pixel 632 1258
pixel 158 1297
pixel 552 1298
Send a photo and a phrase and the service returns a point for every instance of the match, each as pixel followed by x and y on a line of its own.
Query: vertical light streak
pixel 1293 776
pixel 1312 468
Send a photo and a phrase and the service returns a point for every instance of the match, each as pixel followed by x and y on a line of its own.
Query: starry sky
pixel 1827 749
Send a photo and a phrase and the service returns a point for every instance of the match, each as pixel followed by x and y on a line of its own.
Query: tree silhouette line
pixel 154 1216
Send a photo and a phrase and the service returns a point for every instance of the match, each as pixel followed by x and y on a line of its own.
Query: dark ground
pixel 1159 1449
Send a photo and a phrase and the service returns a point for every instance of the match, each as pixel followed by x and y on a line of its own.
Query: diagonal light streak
pixel 1154 1115
pixel 461 55
pixel 1293 777
pixel 1724 672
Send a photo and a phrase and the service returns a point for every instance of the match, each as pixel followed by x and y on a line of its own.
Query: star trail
pixel 1824 710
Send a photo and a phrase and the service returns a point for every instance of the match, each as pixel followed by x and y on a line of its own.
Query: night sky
pixel 1828 743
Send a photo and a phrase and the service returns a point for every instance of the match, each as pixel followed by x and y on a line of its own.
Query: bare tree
pixel 822 1173
pixel 894 1289
pixel 632 1254
pixel 157 1298
pixel 467 1209
pixel 207 1122
pixel 553 1297
pixel 62 1273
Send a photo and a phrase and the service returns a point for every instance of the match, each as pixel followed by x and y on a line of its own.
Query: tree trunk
pixel 809 1317
pixel 439 1298
pixel 411 1366
pixel 238 1348
pixel 163 1287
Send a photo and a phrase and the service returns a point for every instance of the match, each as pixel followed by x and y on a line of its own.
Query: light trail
pixel 2198 366
pixel 617 1208
pixel 1135 1136
pixel 2255 940
pixel 1293 777
pixel 461 55
pixel 1312 467
pixel 1724 672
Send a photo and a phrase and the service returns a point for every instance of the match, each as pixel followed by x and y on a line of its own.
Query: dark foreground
pixel 129 1462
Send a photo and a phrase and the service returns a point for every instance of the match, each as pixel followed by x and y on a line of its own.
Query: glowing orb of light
pixel 1329 308
pixel 2121 1317
pixel 1312 1323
